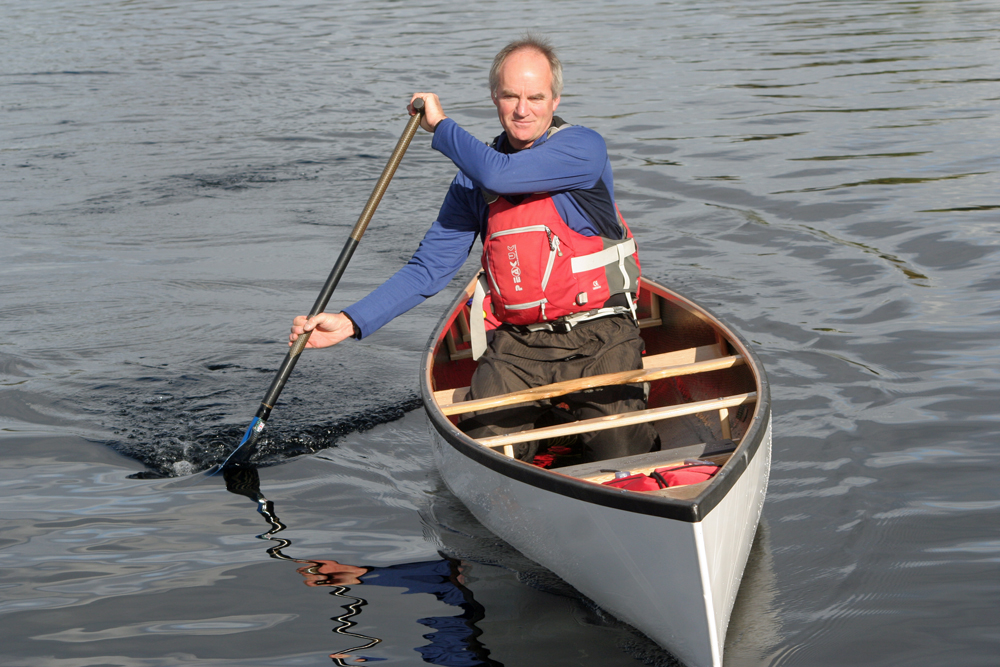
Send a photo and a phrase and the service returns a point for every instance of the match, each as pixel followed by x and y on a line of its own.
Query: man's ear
pixel 555 103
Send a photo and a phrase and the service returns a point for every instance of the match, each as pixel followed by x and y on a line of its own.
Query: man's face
pixel 524 97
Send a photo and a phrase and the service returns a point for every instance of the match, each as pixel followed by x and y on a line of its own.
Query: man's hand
pixel 433 113
pixel 331 573
pixel 327 329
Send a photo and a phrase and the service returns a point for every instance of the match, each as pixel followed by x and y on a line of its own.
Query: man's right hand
pixel 327 329
pixel 433 113
pixel 331 573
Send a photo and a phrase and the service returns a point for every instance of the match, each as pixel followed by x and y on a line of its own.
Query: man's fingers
pixel 409 107
pixel 313 322
pixel 433 113
pixel 326 329
pixel 301 325
pixel 426 97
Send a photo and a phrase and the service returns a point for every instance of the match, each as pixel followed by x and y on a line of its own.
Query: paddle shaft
pixel 345 257
pixel 285 370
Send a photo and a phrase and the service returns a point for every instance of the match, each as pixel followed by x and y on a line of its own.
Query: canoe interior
pixel 668 323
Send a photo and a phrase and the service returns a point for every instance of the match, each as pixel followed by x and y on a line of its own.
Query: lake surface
pixel 177 178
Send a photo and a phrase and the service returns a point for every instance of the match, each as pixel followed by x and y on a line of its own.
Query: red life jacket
pixel 539 269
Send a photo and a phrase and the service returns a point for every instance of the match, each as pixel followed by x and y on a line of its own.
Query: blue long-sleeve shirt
pixel 572 165
pixel 454 642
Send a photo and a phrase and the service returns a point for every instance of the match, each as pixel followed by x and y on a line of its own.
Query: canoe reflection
pixel 453 642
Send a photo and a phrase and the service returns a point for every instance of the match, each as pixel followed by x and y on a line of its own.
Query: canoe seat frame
pixel 656 367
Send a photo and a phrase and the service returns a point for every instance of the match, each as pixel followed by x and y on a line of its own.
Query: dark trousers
pixel 515 361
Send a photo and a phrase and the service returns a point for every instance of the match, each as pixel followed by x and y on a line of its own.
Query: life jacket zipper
pixel 554 249
pixel 518 230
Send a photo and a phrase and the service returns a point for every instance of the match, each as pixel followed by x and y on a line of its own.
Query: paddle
pixel 247 445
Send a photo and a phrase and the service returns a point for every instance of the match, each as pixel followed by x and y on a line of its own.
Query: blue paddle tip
pixel 246 448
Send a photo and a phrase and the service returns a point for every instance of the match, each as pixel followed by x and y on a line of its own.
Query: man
pixel 540 197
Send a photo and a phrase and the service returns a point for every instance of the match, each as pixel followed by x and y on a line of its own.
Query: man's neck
pixel 503 145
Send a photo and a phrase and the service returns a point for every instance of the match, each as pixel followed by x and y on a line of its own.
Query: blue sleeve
pixel 441 254
pixel 572 159
pixel 433 577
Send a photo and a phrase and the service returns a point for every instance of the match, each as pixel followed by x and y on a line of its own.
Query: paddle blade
pixel 247 445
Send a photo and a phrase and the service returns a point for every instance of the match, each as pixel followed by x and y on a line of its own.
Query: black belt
pixel 556 326
pixel 566 323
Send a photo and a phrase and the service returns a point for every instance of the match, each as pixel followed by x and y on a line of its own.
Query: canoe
pixel 669 561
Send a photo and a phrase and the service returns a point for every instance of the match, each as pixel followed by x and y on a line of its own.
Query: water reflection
pixel 454 640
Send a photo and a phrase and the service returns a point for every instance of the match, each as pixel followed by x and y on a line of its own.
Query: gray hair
pixel 534 43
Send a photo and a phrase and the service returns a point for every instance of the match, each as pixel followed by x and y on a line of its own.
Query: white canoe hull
pixel 674 581
pixel 668 563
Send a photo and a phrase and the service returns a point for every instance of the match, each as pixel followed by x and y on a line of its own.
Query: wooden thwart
pixel 615 421
pixel 446 397
pixel 671 364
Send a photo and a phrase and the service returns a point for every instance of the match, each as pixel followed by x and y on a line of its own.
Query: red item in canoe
pixel 661 478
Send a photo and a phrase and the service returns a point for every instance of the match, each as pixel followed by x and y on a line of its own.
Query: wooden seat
pixel 656 367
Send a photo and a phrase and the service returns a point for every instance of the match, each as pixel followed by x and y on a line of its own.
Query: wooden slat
pixel 685 492
pixel 615 421
pixel 447 397
pixel 463 325
pixel 449 341
pixel 591 382
pixel 686 356
pixel 654 319
pixel 727 432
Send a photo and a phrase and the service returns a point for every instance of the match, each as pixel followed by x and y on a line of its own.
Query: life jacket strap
pixel 477 323
pixel 614 254
pixel 566 323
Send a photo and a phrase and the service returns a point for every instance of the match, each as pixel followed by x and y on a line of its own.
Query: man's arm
pixel 573 159
pixel 441 254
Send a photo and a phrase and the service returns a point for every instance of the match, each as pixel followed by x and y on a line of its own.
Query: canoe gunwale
pixel 688 510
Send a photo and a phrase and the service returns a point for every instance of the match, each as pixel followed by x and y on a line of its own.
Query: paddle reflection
pixel 454 640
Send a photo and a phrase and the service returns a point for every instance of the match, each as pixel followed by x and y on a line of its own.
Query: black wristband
pixel 357 331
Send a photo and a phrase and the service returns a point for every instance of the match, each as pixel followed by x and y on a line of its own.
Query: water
pixel 177 179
